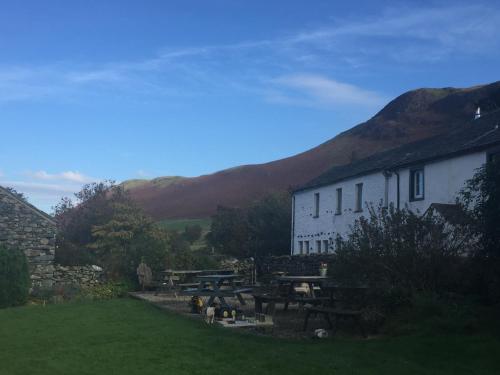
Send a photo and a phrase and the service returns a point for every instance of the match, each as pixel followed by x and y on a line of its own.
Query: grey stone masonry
pixel 25 227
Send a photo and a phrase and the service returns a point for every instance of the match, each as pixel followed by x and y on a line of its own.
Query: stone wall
pixel 24 227
pixel 84 276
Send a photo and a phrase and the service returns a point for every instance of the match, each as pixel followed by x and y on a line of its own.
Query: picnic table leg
pixel 258 305
pixel 240 298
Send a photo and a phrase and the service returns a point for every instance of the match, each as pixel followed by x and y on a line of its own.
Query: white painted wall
pixel 443 180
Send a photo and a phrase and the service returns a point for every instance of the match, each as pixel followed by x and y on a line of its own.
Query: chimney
pixel 478 113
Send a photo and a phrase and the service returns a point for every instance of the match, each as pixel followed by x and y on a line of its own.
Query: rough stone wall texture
pixel 84 276
pixel 24 227
pixel 305 265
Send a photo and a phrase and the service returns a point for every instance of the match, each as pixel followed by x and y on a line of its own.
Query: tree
pixel 192 233
pixel 269 222
pixel 229 232
pixel 480 200
pixel 262 229
pixel 108 229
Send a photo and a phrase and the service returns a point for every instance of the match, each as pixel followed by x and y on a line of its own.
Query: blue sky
pixel 93 90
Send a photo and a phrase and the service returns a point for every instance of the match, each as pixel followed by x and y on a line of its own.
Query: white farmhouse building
pixel 415 175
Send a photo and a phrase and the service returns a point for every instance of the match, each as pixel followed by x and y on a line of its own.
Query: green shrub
pixel 14 277
pixel 106 291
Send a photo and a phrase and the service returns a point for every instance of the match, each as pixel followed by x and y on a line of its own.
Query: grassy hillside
pixel 129 337
pixel 413 116
pixel 180 224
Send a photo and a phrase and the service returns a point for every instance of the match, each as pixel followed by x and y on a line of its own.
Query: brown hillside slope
pixel 414 115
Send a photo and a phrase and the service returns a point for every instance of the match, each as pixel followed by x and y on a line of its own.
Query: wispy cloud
pixel 397 36
pixel 45 189
pixel 320 90
pixel 70 176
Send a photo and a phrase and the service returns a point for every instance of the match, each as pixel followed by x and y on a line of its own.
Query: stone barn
pixel 24 226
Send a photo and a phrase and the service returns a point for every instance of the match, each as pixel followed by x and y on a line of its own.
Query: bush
pixel 106 291
pixel 399 253
pixel 14 277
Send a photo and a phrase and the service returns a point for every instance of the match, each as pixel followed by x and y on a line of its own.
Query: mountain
pixel 412 116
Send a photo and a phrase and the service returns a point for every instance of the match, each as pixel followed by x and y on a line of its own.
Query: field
pixel 180 224
pixel 125 336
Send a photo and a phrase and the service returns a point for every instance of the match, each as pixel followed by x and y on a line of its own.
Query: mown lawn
pixel 125 336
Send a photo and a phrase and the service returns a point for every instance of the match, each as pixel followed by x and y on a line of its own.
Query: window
pixel 325 246
pixel 359 198
pixel 416 184
pixel 301 247
pixel 494 156
pixel 316 204
pixel 338 210
pixel 306 245
pixel 318 246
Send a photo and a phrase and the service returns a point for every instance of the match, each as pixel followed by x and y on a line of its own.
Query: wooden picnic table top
pixel 307 279
pixel 217 277
pixel 195 272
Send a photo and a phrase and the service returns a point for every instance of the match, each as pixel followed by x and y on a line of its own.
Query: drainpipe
pixel 398 193
pixel 293 225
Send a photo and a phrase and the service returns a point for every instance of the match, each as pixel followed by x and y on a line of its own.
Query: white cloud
pixel 70 176
pixel 316 89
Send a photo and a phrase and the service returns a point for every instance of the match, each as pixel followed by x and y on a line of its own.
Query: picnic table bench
pixel 339 307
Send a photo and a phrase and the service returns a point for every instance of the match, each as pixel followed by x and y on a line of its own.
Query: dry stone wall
pixel 24 227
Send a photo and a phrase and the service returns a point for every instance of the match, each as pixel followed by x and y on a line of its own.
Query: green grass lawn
pixel 125 336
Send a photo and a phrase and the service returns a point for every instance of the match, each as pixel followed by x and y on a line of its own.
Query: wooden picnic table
pixel 289 293
pixel 218 286
pixel 171 275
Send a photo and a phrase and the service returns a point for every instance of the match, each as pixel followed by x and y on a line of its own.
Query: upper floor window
pixel 316 204
pixel 338 210
pixel 359 198
pixel 417 184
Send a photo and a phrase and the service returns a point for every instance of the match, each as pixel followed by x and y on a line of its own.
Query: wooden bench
pixel 337 313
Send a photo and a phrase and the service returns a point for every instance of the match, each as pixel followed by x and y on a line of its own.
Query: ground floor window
pixel 325 246
pixel 306 245
pixel 301 247
pixel 318 246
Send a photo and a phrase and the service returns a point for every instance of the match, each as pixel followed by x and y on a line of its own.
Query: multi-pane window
pixel 316 204
pixel 417 184
pixel 359 197
pixel 325 246
pixel 338 210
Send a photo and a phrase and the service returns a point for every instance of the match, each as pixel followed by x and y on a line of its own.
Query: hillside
pixel 412 116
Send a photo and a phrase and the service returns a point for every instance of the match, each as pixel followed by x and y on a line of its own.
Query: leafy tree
pixel 260 230
pixel 106 228
pixel 192 233
pixel 269 223
pixel 229 232
pixel 480 200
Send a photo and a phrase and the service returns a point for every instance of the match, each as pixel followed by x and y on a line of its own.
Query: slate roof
pixel 478 135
